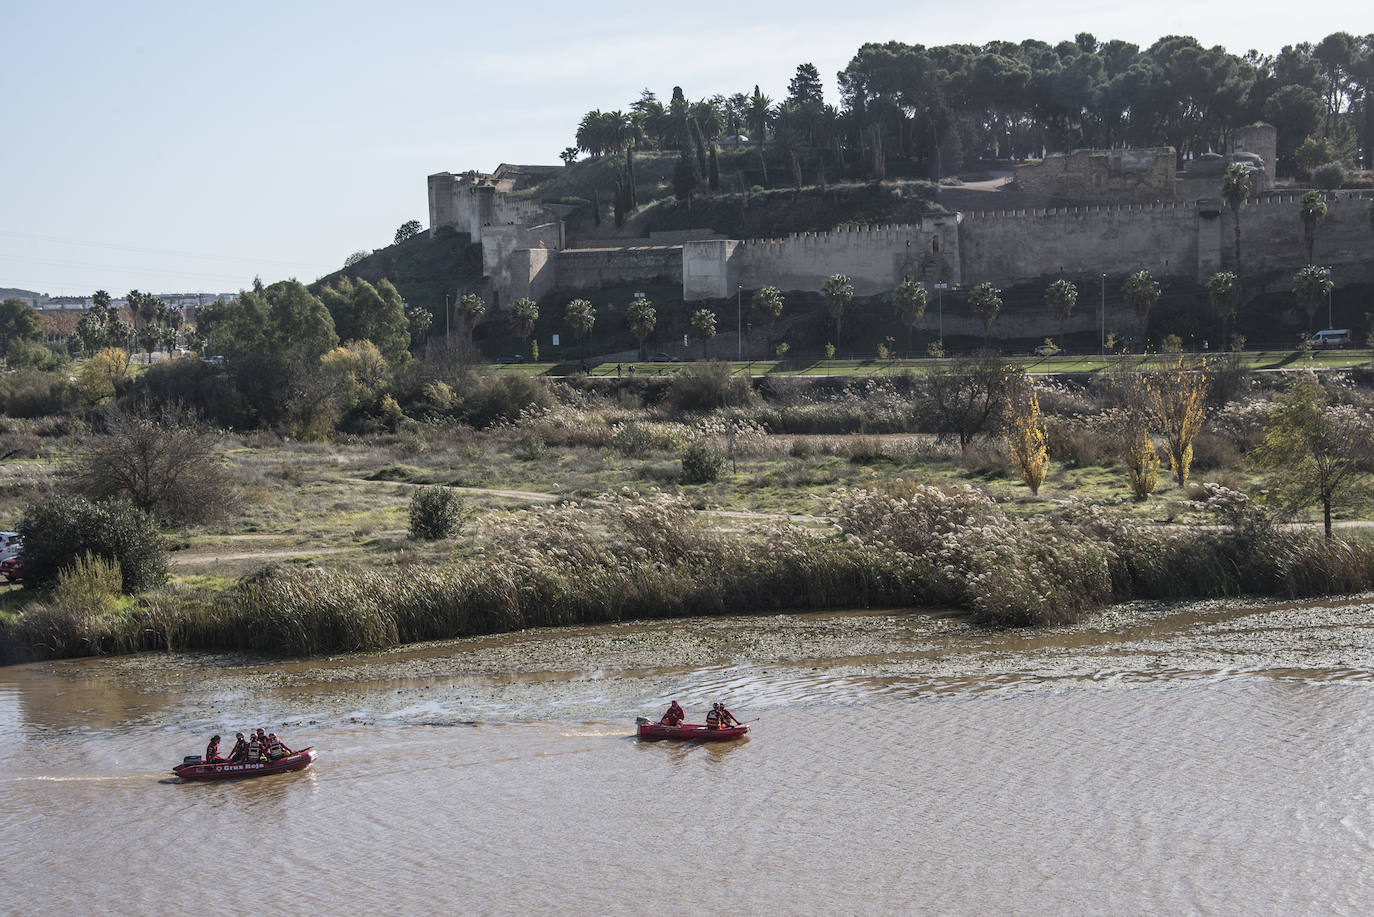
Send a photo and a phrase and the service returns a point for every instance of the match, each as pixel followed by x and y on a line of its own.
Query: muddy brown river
pixel 1216 759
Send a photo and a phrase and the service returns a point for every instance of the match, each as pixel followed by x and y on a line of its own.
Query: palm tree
pixel 581 316
pixel 1061 296
pixel 1223 291
pixel 1313 211
pixel 839 293
pixel 909 301
pixel 523 314
pixel 986 301
pixel 704 327
pixel 1141 292
pixel 1311 285
pixel 470 308
pixel 641 318
pixel 766 303
pixel 1235 190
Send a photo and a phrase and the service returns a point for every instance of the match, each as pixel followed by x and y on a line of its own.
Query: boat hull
pixel 295 761
pixel 689 732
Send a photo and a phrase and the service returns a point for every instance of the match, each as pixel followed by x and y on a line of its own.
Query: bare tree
pixel 165 463
pixel 966 399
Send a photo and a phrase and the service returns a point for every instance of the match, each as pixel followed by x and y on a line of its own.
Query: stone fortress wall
pixel 525 252
pixel 1137 176
pixel 875 258
pixel 1009 247
pixel 1271 236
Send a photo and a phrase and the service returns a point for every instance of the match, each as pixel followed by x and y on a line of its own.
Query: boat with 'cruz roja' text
pixel 193 767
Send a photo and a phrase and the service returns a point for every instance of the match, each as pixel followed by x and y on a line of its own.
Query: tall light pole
pixel 1329 287
pixel 1104 314
pixel 445 319
pixel 940 311
pixel 739 322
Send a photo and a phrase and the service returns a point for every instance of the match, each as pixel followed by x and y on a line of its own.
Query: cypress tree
pixel 685 176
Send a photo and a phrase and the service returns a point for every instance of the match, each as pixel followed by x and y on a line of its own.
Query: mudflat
pixel 943 649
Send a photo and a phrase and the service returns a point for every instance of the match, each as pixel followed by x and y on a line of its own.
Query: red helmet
pixel 238 735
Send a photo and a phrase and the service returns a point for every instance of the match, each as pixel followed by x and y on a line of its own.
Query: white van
pixel 10 544
pixel 1331 338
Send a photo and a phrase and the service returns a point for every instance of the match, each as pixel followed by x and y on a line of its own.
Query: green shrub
pixel 35 355
pixel 706 386
pixel 531 447
pixel 635 438
pixel 434 513
pixel 61 530
pixel 701 464
pixel 30 393
pixel 491 400
pixel 1329 176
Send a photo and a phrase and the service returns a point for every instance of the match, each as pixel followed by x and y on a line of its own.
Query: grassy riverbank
pixel 831 494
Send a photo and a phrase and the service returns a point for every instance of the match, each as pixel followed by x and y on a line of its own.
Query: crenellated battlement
pixel 1289 201
pixel 1081 212
pixel 845 235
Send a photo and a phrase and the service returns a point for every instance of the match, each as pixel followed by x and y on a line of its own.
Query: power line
pixel 236 279
pixel 114 246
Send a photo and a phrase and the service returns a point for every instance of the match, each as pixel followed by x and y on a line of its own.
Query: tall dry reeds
pixel 626 556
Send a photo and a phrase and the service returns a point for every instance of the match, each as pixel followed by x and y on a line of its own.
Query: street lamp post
pixel 445 319
pixel 1329 287
pixel 1104 314
pixel 940 310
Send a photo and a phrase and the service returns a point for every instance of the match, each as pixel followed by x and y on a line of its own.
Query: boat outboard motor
pixel 191 759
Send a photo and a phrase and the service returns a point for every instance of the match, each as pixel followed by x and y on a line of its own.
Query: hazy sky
pixel 190 147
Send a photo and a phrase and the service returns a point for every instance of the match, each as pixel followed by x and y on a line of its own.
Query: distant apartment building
pixel 187 303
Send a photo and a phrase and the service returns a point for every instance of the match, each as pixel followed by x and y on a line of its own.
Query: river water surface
pixel 861 790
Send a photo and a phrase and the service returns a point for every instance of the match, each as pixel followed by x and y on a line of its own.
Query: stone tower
pixel 1262 140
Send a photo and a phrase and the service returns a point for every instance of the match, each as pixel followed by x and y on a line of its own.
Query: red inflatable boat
pixel 193 768
pixel 650 730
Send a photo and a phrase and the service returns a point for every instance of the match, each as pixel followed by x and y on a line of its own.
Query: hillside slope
pixel 424 269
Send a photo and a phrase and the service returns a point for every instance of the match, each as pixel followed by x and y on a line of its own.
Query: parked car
pixel 10 543
pixel 1331 338
pixel 9 568
pixel 1047 350
pixel 661 357
pixel 514 358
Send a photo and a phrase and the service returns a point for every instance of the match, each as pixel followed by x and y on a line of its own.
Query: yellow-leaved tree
pixel 1142 464
pixel 1024 430
pixel 102 375
pixel 1176 402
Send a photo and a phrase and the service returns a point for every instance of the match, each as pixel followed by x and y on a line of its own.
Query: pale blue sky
pixel 190 147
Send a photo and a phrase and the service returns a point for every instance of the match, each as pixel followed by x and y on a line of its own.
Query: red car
pixel 9 568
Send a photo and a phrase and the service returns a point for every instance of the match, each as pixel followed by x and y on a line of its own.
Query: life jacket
pixel 254 751
pixel 212 751
pixel 713 719
pixel 240 750
pixel 275 749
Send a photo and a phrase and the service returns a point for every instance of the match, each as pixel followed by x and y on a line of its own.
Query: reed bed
pixel 626 556
pixel 636 556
